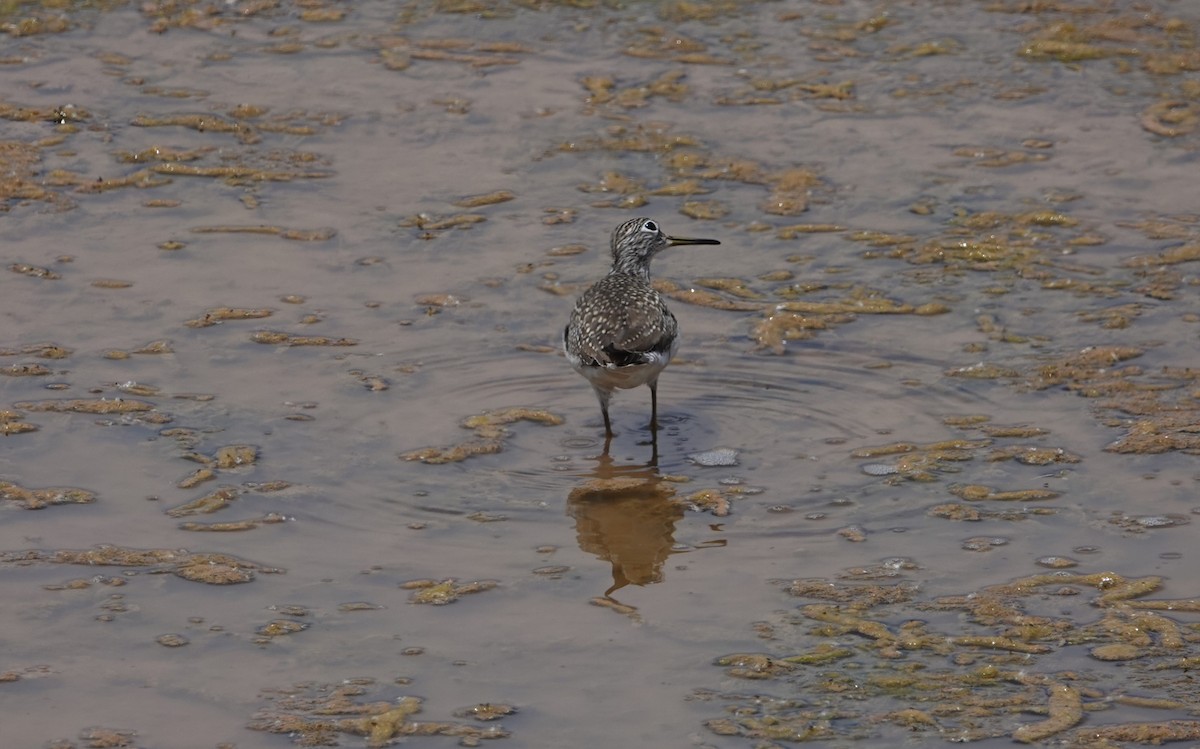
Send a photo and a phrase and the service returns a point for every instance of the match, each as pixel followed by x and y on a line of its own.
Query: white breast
pixel 634 375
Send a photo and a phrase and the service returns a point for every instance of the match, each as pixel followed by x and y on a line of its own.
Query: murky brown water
pixel 949 336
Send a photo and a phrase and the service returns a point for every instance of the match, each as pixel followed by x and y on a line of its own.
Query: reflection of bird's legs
pixel 654 422
pixel 619 581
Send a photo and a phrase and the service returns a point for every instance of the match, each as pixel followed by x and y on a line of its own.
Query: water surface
pixel 262 258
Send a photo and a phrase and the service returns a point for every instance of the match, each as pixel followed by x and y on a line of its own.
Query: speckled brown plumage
pixel 621 334
pixel 618 321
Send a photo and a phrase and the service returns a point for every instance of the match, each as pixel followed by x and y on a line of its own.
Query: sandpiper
pixel 621 334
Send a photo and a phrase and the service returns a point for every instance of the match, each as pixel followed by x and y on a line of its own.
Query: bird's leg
pixel 603 396
pixel 654 407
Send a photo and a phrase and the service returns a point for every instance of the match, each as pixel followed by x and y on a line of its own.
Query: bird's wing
pixel 614 324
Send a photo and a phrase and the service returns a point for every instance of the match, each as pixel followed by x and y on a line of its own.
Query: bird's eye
pixel 650 226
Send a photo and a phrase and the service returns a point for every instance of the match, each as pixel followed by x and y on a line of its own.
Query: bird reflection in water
pixel 626 515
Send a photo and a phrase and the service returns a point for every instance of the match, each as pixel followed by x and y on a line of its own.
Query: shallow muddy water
pixel 290 456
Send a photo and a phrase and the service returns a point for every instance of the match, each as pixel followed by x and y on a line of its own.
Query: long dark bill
pixel 687 240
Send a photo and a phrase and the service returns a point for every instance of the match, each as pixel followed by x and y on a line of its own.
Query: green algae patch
pixel 431 225
pixel 153 348
pixel 820 655
pixel 973 513
pixel 1153 734
pixel 1117 651
pixel 705 298
pixel 1031 244
pixel 161 153
pixel 763 90
pixel 21 176
pixel 1156 408
pixel 641 138
pixel 684 188
pixel 235 456
pixel 705 210
pixel 502 417
pixel 1063 51
pixel 35 271
pixel 486 711
pixel 225 458
pixel 279 338
pixel 999 643
pixel 304 235
pixel 490 198
pixel 790 189
pixel 207 504
pixel 867 306
pixel 855 593
pixel 247 126
pixel 491 432
pixel 1031 455
pixel 1064 710
pixel 214 570
pixel 280 628
pixel 790 319
pixel 40 350
pixel 235 174
pixel 795 726
pixel 1154 39
pixel 962 665
pixel 440 593
pixel 373 382
pixel 313 714
pixel 12 422
pixel 1171 119
pixel 604 90
pixel 753 665
pixel 656 43
pixel 172 640
pixel 203 567
pixel 1186 253
pixel 733 286
pixel 923 462
pixel 41 21
pixel 978 493
pixel 32 369
pixel 1137 524
pixel 1093 365
pixel 775 331
pixel 102 738
pixel 894 448
pixel 196 477
pixel 37 499
pixel 1020 432
pixel 89 406
pixel 455 454
pixel 466 52
pixel 141 179
pixel 233 526
pixel 798 230
pixel 716 502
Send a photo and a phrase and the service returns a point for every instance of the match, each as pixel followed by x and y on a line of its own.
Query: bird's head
pixel 638 240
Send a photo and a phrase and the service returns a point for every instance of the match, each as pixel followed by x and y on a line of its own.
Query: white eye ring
pixel 651 227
